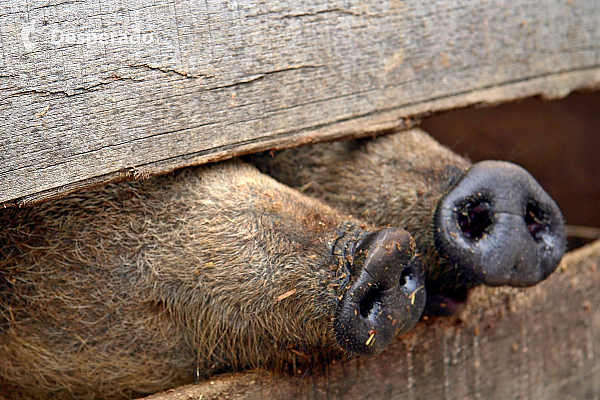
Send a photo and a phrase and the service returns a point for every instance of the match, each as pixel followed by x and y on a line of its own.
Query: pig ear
pixel 500 227
pixel 386 294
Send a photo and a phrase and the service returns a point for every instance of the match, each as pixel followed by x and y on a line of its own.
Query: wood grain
pixel 92 91
pixel 539 343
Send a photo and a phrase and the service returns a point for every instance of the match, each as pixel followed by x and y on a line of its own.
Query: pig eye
pixel 474 218
pixel 536 219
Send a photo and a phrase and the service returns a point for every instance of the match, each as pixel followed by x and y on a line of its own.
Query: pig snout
pixel 385 294
pixel 500 226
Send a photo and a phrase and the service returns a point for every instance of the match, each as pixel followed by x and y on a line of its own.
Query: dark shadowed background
pixel 557 141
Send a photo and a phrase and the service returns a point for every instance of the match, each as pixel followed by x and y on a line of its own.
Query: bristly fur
pixel 394 180
pixel 132 288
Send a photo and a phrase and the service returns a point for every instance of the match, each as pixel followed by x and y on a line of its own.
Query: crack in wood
pixel 235 75
pixel 336 10
pixel 75 91
pixel 182 73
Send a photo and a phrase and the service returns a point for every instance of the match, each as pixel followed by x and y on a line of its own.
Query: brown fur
pixel 395 180
pixel 132 288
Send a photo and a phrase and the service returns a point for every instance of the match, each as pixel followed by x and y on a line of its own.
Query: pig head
pixel 136 287
pixel 488 223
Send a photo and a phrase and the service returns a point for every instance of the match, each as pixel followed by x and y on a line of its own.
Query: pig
pixel 136 287
pixel 486 223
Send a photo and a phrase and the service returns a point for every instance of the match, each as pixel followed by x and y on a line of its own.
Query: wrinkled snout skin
pixel 133 288
pixel 489 223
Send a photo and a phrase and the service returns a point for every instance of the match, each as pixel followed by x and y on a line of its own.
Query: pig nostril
pixel 474 218
pixel 370 301
pixel 536 219
pixel 405 276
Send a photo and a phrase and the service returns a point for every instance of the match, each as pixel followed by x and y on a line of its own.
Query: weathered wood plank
pixel 536 343
pixel 98 91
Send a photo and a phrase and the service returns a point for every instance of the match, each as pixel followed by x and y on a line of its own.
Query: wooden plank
pixel 97 91
pixel 535 343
